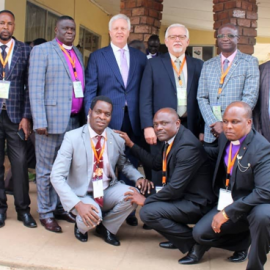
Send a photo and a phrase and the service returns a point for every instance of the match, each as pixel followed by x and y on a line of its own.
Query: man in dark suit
pixel 262 109
pixel 115 71
pixel 15 115
pixel 186 194
pixel 243 189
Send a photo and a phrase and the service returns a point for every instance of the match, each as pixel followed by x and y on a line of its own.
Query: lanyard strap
pixel 164 164
pixel 223 76
pixel 4 62
pixel 178 72
pixel 98 158
pixel 230 165
pixel 72 61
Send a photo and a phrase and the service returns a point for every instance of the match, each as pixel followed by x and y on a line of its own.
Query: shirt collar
pixel 93 134
pixel 238 142
pixel 64 45
pixel 9 43
pixel 116 49
pixel 171 140
pixel 230 58
pixel 174 57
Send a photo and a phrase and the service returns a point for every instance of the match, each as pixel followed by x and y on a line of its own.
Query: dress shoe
pixel 27 220
pixel 194 255
pixel 146 227
pixel 167 245
pixel 65 216
pixel 238 256
pixel 51 224
pixel 83 237
pixel 132 221
pixel 2 220
pixel 107 235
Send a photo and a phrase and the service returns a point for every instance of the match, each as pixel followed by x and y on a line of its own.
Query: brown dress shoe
pixel 51 224
pixel 65 216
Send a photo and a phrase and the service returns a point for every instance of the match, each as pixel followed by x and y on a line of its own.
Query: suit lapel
pixel 110 147
pixel 166 59
pixel 77 52
pixel 190 73
pixel 176 139
pixel 87 144
pixel 17 52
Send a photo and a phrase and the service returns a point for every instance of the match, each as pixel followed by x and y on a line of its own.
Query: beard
pixel 5 38
pixel 178 50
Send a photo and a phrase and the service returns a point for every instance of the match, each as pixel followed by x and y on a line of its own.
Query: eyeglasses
pixel 230 36
pixel 179 37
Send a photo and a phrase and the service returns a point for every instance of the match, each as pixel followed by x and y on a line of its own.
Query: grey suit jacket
pixel 50 87
pixel 73 167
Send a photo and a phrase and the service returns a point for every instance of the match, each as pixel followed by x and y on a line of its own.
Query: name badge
pixel 4 89
pixel 217 112
pixel 158 189
pixel 98 188
pixel 182 96
pixel 78 91
pixel 224 199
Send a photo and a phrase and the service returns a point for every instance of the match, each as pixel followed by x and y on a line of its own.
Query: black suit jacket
pixel 249 187
pixel 158 90
pixel 188 172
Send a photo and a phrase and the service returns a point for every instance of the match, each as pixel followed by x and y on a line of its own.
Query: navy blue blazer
pixel 158 90
pixel 18 104
pixel 103 77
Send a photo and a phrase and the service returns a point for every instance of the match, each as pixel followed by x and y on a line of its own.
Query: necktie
pixel 98 165
pixel 164 165
pixel 225 64
pixel 4 55
pixel 124 66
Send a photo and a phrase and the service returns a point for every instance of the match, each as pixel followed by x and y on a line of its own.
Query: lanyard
pixel 95 151
pixel 230 165
pixel 223 76
pixel 178 72
pixel 164 164
pixel 4 62
pixel 72 61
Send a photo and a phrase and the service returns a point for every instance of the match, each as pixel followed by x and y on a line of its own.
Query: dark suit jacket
pixel 103 77
pixel 158 90
pixel 18 105
pixel 249 187
pixel 261 111
pixel 188 172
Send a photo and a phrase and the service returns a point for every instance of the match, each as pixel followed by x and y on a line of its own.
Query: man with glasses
pixel 230 76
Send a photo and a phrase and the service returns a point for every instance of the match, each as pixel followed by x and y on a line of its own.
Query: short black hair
pixel 9 12
pixel 65 17
pixel 100 98
pixel 154 38
pixel 39 41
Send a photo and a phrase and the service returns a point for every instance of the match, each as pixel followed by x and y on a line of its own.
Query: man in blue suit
pixel 115 71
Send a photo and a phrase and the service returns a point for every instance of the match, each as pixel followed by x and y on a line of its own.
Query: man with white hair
pixel 116 71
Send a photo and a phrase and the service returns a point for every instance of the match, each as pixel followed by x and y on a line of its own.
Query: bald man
pixel 182 199
pixel 243 209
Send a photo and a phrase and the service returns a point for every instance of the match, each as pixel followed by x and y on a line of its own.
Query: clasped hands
pixel 216 129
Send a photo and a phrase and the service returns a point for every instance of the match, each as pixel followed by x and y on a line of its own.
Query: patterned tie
pixel 98 166
pixel 124 67
pixel 4 55
pixel 225 64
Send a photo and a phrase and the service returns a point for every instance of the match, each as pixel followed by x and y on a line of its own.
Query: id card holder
pixel 182 96
pixel 158 188
pixel 78 91
pixel 217 112
pixel 4 89
pixel 224 199
pixel 98 188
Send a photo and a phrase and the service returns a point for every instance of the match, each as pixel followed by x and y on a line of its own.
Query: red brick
pixel 150 21
pixel 252 1
pixel 131 4
pixel 160 16
pixel 138 11
pixel 217 25
pixel 133 36
pixel 248 49
pixel 230 5
pixel 243 22
pixel 243 40
pixel 254 24
pixel 154 31
pixel 246 5
pixel 135 20
pixel 250 32
pixel 142 29
pixel 157 23
pixel 153 13
pixel 158 6
pixel 218 7
pixel 143 19
pixel 252 15
pixel 215 1
pixel 146 37
pixel 126 12
pixel 252 41
pixel 240 31
pixel 122 5
pixel 215 16
pixel 238 3
pixel 255 8
pixel 223 15
pixel 139 3
pixel 233 21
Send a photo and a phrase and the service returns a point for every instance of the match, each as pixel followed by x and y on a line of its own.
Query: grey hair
pixel 176 25
pixel 119 16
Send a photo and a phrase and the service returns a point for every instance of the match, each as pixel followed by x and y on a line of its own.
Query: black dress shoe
pixel 238 256
pixel 146 227
pixel 132 221
pixel 83 237
pixel 2 220
pixel 168 245
pixel 194 255
pixel 65 216
pixel 107 235
pixel 27 220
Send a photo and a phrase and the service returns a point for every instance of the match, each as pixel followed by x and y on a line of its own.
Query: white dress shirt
pixel 117 54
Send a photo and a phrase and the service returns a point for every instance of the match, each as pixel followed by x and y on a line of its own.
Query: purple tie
pixel 124 67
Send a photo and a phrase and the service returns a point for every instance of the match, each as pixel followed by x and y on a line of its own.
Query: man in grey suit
pixel 230 76
pixel 84 177
pixel 56 83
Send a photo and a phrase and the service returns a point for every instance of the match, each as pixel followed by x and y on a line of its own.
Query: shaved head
pixel 244 106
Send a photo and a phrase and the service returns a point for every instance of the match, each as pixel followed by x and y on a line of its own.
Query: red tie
pixel 98 165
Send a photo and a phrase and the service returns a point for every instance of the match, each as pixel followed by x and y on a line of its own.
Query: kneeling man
pixel 83 175
pixel 242 183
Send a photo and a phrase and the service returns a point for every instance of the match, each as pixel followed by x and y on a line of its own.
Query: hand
pixel 217 222
pixel 26 126
pixel 144 185
pixel 216 129
pixel 201 137
pixel 42 131
pixel 88 213
pixel 150 136
pixel 134 196
pixel 124 135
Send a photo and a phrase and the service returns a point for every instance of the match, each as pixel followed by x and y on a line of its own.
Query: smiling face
pixel 7 26
pixel 228 44
pixel 65 31
pixel 119 32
